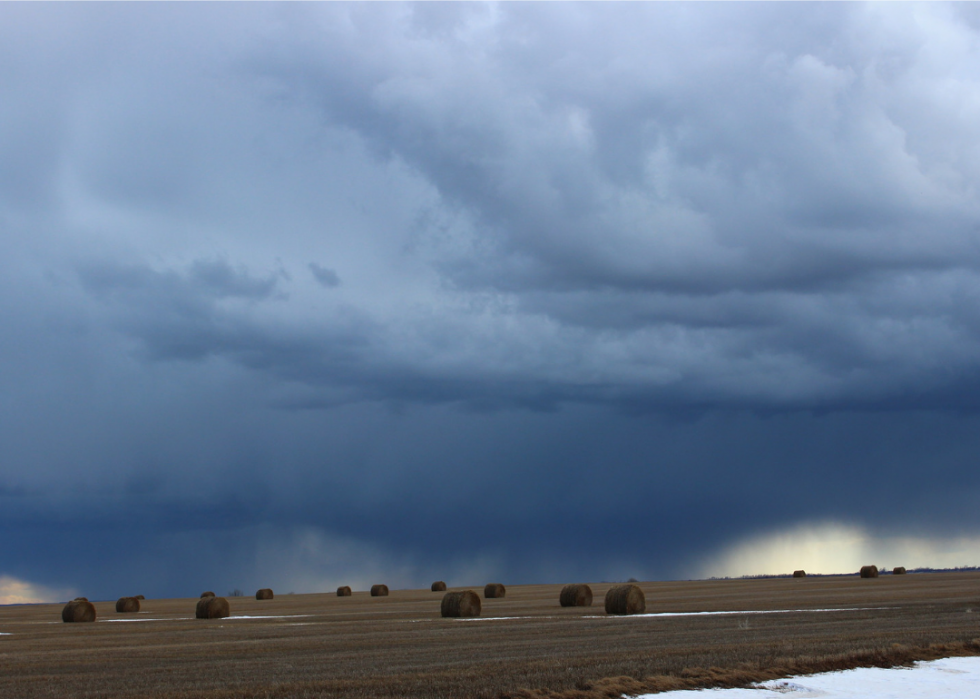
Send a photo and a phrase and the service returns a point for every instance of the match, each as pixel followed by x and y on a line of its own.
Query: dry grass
pixel 399 646
pixel 128 604
pixel 575 596
pixel 625 599
pixel 462 603
pixel 212 608
pixel 494 591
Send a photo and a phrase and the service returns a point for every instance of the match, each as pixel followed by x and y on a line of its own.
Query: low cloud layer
pixel 831 548
pixel 527 290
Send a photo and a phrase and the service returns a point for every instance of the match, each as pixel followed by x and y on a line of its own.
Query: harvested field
pixel 320 645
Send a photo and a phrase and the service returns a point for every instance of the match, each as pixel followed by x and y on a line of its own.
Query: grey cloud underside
pixel 667 170
pixel 787 220
pixel 659 351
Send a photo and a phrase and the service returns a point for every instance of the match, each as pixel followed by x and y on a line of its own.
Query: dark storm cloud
pixel 178 314
pixel 324 276
pixel 213 279
pixel 778 197
pixel 660 166
pixel 318 279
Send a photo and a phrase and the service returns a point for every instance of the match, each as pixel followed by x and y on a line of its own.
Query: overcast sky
pixel 302 295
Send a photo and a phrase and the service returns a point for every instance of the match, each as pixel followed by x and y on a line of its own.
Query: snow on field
pixel 105 621
pixel 743 611
pixel 268 616
pixel 499 618
pixel 948 678
pixel 187 618
pixel 665 614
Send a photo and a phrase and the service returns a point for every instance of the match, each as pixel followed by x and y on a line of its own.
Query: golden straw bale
pixel 78 610
pixel 869 571
pixel 799 573
pixel 212 608
pixel 202 606
pixel 899 570
pixel 379 590
pixel 343 591
pixel 439 586
pixel 461 604
pixel 264 593
pixel 625 599
pixel 494 590
pixel 576 596
pixel 127 605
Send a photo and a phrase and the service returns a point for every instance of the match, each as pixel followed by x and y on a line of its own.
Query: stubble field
pixel 523 645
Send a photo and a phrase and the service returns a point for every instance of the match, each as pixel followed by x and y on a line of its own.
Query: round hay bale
pixel 799 573
pixel 77 611
pixel 212 608
pixel 264 593
pixel 379 590
pixel 461 604
pixel 494 590
pixel 207 594
pixel 201 612
pixel 343 591
pixel 899 570
pixel 140 597
pixel 81 599
pixel 127 605
pixel 439 586
pixel 625 599
pixel 575 596
pixel 869 571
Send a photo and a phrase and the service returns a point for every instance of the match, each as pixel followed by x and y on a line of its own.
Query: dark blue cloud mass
pixel 305 295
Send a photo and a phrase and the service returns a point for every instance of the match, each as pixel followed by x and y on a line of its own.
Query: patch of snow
pixel 108 620
pixel 269 616
pixel 745 611
pixel 666 614
pixel 500 618
pixel 947 678
pixel 186 618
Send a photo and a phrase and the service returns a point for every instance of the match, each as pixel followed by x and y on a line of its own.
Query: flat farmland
pixel 321 645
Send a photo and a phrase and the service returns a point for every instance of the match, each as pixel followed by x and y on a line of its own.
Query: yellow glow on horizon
pixel 831 547
pixel 14 591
